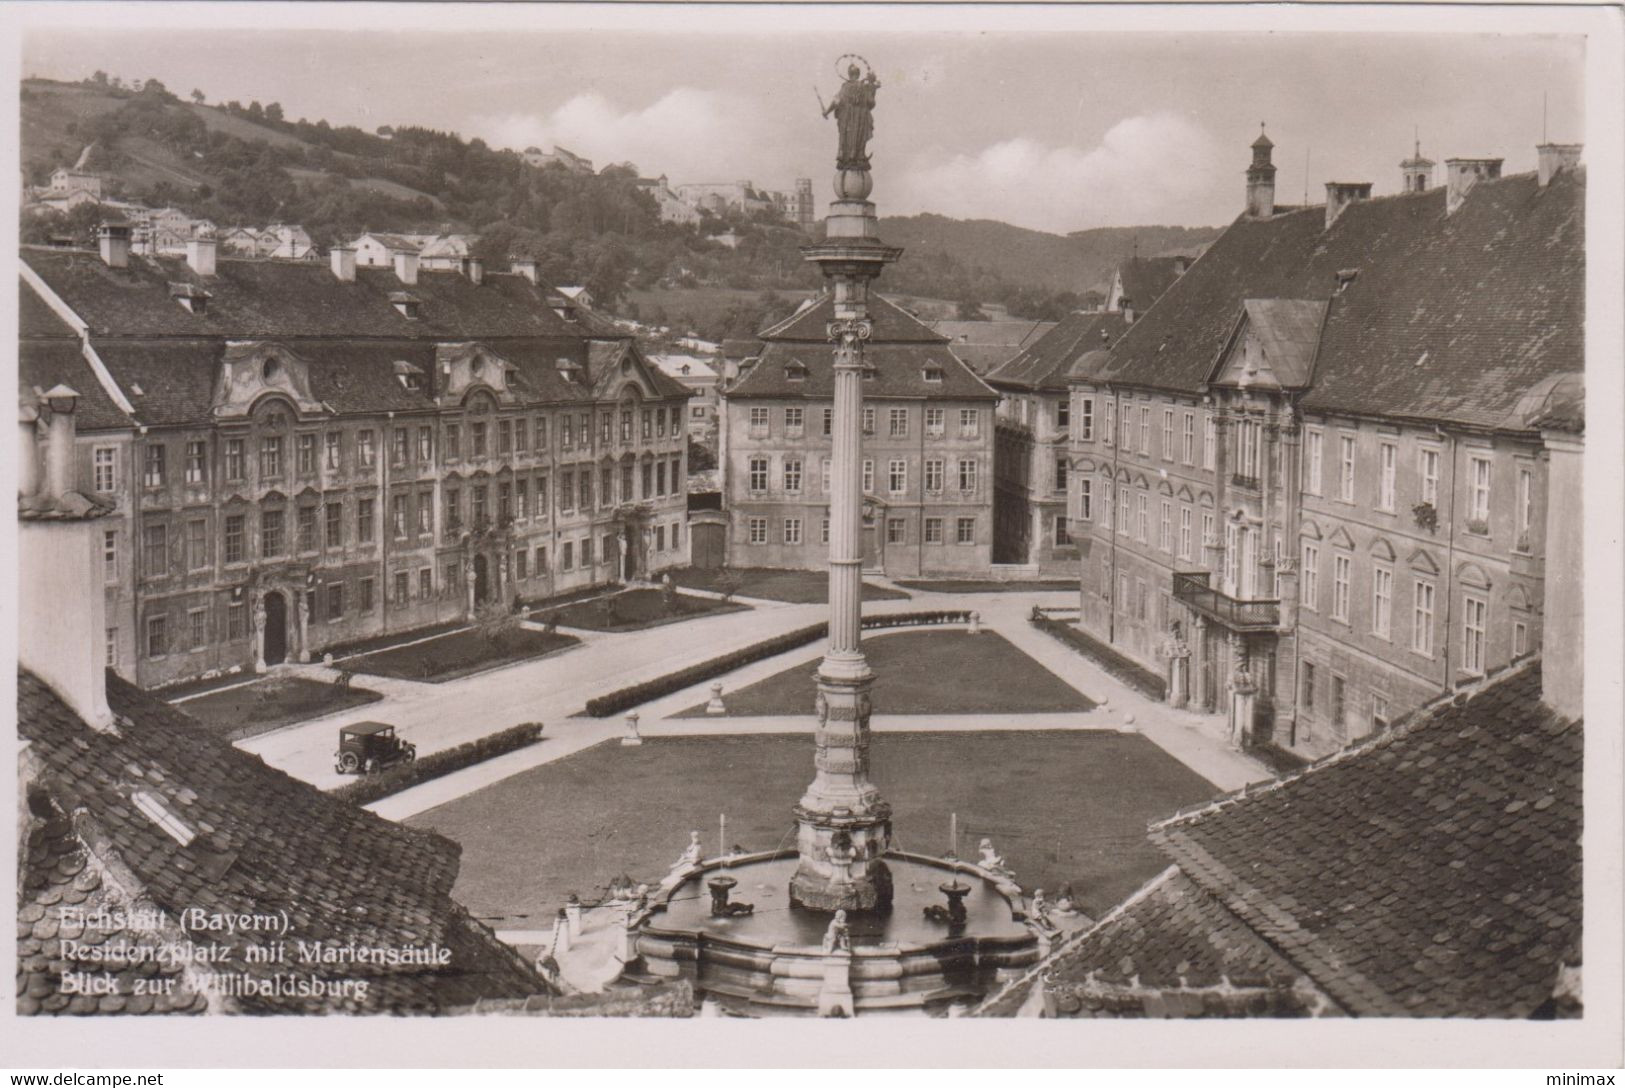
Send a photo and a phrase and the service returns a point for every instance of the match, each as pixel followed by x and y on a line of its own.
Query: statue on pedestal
pixel 990 859
pixel 853 108
pixel 693 854
pixel 837 938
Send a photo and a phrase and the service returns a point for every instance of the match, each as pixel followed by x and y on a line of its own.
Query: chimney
pixel 474 268
pixel 1261 179
pixel 1555 158
pixel 1126 305
pixel 28 460
pixel 200 253
pixel 342 259
pixel 1181 263
pixel 114 239
pixel 528 267
pixel 1340 194
pixel 1460 175
pixel 59 540
pixel 1417 172
pixel 406 268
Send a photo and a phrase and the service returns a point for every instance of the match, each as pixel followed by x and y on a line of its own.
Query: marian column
pixel 844 826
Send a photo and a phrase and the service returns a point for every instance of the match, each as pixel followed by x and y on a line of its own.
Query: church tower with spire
pixel 1417 171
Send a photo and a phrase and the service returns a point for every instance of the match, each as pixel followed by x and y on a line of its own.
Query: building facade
pixel 927 450
pixel 315 455
pixel 1309 483
pixel 1032 461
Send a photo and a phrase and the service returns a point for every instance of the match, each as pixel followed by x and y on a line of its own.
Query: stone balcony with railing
pixel 1192 588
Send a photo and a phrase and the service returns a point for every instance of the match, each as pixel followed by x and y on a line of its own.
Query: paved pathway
pixel 1196 740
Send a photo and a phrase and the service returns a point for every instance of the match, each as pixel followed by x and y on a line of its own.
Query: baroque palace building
pixel 1309 483
pixel 300 456
pixel 927 449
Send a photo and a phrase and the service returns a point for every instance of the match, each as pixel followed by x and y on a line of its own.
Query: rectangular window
pixel 477 435
pixel 1526 507
pixel 933 475
pixel 935 422
pixel 868 420
pixel 330 444
pixel 1187 440
pixel 400 588
pixel 152 474
pixel 626 425
pixel 933 530
pixel 365 520
pixel 1345 468
pixel 271 541
pixel 305 454
pixel 1207 529
pixel 1473 625
pixel 481 511
pixel 1063 414
pixel 1379 713
pixel 110 556
pixel 868 476
pixel 425 510
pixel 965 531
pixel 758 530
pixel 1086 419
pixel 792 530
pixel 1520 639
pixel 453 507
pixel 155 551
pixel 897 423
pixel 1309 686
pixel 1339 701
pixel 425 444
pixel 758 422
pixel 1478 495
pixel 1124 524
pixel 1062 464
pixel 1342 570
pixel 1427 467
pixel 1086 499
pixel 105 461
pixel 505 436
pixel 1142 517
pixel 896 531
pixel 397 515
pixel 1387 461
pixel 271 456
pixel 897 477
pixel 795 420
pixel 333 524
pixel 366 450
pixel 1184 532
pixel 567 491
pixel 1062 536
pixel 758 474
pixel 1145 430
pixel 1109 432
pixel 197 545
pixel 1210 443
pixel 542 508
pixel 426 582
pixel 583 486
pixel 1165 527
pixel 1313 456
pixel 967 475
pixel 521 494
pixel 1382 601
pixel 504 501
pixel 400 450
pixel 157 636
pixel 197 458
pixel 521 436
pixel 1167 434
pixel 236 622
pixel 567 431
pixel 305 528
pixel 792 475
pixel 541 434
pixel 1310 589
pixel 970 423
pixel 829 422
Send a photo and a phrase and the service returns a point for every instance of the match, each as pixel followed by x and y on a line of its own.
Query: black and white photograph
pixel 766 515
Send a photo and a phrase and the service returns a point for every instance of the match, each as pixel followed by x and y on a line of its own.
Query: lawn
pixel 271 703
pixel 924 672
pixel 973 586
pixel 1069 806
pixel 633 610
pixel 458 654
pixel 794 586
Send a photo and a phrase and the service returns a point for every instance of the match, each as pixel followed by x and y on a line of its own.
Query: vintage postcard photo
pixel 790 515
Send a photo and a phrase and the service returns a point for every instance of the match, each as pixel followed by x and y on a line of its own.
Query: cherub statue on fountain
pixel 693 855
pixel 990 859
pixel 837 938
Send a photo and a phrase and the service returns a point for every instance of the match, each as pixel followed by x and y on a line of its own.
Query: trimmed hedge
pixel 1129 672
pixel 626 698
pixel 368 789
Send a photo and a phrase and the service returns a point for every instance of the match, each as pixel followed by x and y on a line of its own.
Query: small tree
pixel 197 96
pixel 497 626
pixel 729 583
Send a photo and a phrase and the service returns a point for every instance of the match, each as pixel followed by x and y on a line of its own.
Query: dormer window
pixel 933 374
pixel 194 298
pixel 406 305
pixel 795 371
pixel 409 375
pixel 569 370
pixel 154 808
pixel 563 307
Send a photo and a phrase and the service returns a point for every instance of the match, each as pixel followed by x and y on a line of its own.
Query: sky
pixel 1058 131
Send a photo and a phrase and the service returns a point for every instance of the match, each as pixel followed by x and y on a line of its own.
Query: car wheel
pixel 348 763
pixel 411 753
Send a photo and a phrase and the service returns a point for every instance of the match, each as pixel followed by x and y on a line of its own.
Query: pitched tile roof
pixel 283 300
pixel 892 324
pixel 986 345
pixel 1449 318
pixel 1045 364
pixel 1288 333
pixel 1433 870
pixel 263 843
pixel 1146 278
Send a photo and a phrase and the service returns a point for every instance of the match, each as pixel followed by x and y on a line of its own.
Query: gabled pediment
pixel 1472 575
pixel 463 368
pixel 1309 530
pixel 252 369
pixel 1518 599
pixel 1185 493
pixel 1423 563
pixel 1382 551
pixel 1164 487
pixel 1340 539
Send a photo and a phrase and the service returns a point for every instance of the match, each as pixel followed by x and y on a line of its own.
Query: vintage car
pixel 369 747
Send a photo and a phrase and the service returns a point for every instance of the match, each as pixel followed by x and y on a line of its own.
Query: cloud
pixel 1158 168
pixel 687 134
